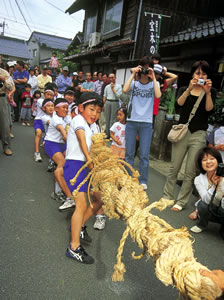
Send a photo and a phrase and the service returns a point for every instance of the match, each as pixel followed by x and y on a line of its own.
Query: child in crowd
pixel 36 96
pixel 77 153
pixel 54 63
pixel 69 95
pixel 38 124
pixel 117 133
pixel 55 139
pixel 25 114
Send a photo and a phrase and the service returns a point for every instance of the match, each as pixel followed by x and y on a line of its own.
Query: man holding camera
pixel 140 114
pixel 5 86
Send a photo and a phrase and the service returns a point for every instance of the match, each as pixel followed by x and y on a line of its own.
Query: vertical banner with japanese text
pixel 152 31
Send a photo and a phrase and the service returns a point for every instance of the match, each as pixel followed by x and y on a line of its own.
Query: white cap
pixel 158 68
pixel 75 73
pixel 11 63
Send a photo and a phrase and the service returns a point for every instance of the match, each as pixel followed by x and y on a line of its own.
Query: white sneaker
pixel 144 186
pixel 67 204
pixel 100 222
pixel 196 229
pixel 37 156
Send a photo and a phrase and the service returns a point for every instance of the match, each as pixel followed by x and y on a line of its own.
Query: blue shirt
pixel 63 82
pixel 20 75
pixel 142 102
pixel 88 85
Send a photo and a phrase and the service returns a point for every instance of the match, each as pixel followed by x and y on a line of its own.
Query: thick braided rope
pixel 170 248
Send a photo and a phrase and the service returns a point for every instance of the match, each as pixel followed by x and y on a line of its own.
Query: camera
pixel 201 82
pixel 1 84
pixel 144 71
pixel 220 170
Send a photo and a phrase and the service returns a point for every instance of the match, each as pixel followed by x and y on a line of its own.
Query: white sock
pixel 57 188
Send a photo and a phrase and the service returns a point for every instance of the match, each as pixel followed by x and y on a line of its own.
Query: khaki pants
pixel 4 123
pixel 189 146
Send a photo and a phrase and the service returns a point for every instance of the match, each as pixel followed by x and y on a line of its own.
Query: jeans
pixel 144 131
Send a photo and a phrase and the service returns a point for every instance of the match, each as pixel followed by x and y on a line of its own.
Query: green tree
pixel 73 67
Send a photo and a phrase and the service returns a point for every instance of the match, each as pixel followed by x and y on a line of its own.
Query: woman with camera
pixel 210 187
pixel 140 114
pixel 195 137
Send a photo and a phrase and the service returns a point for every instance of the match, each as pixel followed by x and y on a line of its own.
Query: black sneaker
pixel 59 197
pixel 84 235
pixel 80 255
pixel 51 166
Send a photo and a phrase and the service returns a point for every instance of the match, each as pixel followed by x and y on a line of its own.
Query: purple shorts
pixel 38 124
pixel 52 147
pixel 71 167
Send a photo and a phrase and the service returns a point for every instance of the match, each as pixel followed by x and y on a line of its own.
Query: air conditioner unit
pixel 94 39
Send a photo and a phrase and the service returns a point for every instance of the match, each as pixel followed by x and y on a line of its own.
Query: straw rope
pixel 170 248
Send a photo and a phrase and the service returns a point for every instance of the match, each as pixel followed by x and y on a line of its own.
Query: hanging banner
pixel 152 31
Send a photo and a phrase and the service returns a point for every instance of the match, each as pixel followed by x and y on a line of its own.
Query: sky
pixel 45 16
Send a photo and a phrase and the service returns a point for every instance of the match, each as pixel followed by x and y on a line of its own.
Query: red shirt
pixel 26 101
pixel 156 100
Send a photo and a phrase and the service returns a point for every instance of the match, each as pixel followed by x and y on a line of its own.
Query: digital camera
pixel 201 82
pixel 144 71
pixel 220 170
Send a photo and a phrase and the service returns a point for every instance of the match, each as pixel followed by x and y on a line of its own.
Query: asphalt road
pixel 34 236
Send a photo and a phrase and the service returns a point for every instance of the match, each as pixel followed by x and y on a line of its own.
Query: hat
pixel 65 69
pixel 75 73
pixel 31 69
pixel 45 67
pixel 158 68
pixel 10 63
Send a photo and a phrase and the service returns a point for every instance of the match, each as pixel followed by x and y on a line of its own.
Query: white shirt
pixel 33 82
pixel 74 151
pixel 53 134
pixel 119 132
pixel 40 113
pixel 142 101
pixel 45 120
pixel 206 190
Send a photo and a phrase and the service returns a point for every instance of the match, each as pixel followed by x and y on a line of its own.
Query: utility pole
pixel 3 26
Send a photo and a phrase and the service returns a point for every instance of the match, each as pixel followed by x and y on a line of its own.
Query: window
pixel 34 52
pixel 113 13
pixel 90 24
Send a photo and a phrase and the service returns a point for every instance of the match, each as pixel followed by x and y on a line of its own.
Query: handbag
pixel 178 132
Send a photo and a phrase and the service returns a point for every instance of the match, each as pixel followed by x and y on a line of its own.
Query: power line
pixel 28 12
pixel 62 11
pixel 12 9
pixel 40 26
pixel 23 16
pixel 6 8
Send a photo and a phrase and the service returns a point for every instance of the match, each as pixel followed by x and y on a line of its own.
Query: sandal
pixel 193 215
pixel 177 208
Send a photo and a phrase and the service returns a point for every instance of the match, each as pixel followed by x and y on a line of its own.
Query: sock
pixel 57 188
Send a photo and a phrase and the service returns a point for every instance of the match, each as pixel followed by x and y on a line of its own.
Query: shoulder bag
pixel 178 132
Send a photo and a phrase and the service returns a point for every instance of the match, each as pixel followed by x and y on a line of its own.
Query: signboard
pixel 152 30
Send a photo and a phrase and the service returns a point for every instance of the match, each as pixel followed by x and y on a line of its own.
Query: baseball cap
pixel 65 69
pixel 31 69
pixel 75 73
pixel 158 68
pixel 45 67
